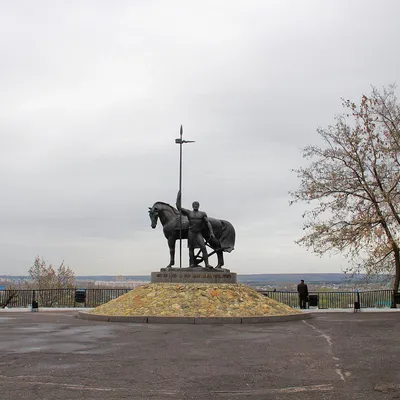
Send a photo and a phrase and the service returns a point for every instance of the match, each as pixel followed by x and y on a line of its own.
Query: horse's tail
pixel 228 236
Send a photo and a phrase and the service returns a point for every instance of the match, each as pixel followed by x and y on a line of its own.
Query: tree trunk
pixel 396 269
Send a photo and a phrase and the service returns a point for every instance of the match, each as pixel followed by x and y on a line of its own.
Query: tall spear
pixel 180 141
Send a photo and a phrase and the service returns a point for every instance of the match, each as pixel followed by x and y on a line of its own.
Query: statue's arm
pixel 179 206
pixel 178 201
pixel 207 221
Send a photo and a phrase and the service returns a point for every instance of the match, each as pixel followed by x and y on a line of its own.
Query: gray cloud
pixel 93 94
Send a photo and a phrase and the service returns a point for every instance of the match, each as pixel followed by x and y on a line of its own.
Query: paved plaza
pixel 54 355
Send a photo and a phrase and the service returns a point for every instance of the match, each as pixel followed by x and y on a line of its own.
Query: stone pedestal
pixel 191 275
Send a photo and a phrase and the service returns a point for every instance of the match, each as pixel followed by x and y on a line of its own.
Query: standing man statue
pixel 198 220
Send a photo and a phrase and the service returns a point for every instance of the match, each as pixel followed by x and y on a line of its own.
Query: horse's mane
pixel 168 205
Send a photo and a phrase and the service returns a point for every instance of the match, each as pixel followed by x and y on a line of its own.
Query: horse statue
pixel 224 231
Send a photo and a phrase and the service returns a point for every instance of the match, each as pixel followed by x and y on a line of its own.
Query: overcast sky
pixel 93 94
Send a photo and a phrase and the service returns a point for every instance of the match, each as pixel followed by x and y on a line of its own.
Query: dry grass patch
pixel 194 300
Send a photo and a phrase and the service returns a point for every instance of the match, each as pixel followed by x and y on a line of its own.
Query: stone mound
pixel 194 300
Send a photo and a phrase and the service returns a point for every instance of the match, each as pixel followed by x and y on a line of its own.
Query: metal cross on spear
pixel 180 141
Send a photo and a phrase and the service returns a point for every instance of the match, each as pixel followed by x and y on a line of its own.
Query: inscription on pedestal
pixel 193 277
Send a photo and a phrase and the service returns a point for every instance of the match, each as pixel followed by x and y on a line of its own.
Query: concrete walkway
pixel 54 355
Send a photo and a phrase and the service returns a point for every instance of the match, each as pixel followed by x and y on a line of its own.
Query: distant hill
pixel 248 278
pixel 268 278
pixel 15 277
pixel 289 278
pixel 110 278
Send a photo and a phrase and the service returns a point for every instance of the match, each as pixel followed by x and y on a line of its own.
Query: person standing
pixel 302 290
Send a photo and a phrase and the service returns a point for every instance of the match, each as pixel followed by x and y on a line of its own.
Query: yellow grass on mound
pixel 194 300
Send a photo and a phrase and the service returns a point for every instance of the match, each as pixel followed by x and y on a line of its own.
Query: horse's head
pixel 163 212
pixel 153 214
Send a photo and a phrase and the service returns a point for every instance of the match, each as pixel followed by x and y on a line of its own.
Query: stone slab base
pixel 194 320
pixel 187 276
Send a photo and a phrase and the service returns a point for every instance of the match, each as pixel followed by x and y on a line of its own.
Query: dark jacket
pixel 302 289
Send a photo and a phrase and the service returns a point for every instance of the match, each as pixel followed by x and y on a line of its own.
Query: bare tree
pixel 47 277
pixel 352 182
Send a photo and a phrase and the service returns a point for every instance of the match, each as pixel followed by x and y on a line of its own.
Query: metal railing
pixel 367 299
pixel 95 297
pixel 59 297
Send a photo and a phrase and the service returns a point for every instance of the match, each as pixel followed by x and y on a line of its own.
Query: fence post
pixel 357 304
pixel 393 305
pixel 34 305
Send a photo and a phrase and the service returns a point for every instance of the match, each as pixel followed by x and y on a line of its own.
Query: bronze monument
pixel 196 230
pixel 193 225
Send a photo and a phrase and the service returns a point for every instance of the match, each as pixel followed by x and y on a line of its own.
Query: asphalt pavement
pixel 54 355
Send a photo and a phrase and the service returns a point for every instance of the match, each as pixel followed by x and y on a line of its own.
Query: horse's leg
pixel 220 256
pixel 171 245
pixel 205 257
pixel 214 243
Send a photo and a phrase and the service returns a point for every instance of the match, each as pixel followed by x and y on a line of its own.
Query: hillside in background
pixel 272 278
pixel 335 281
pixel 268 278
